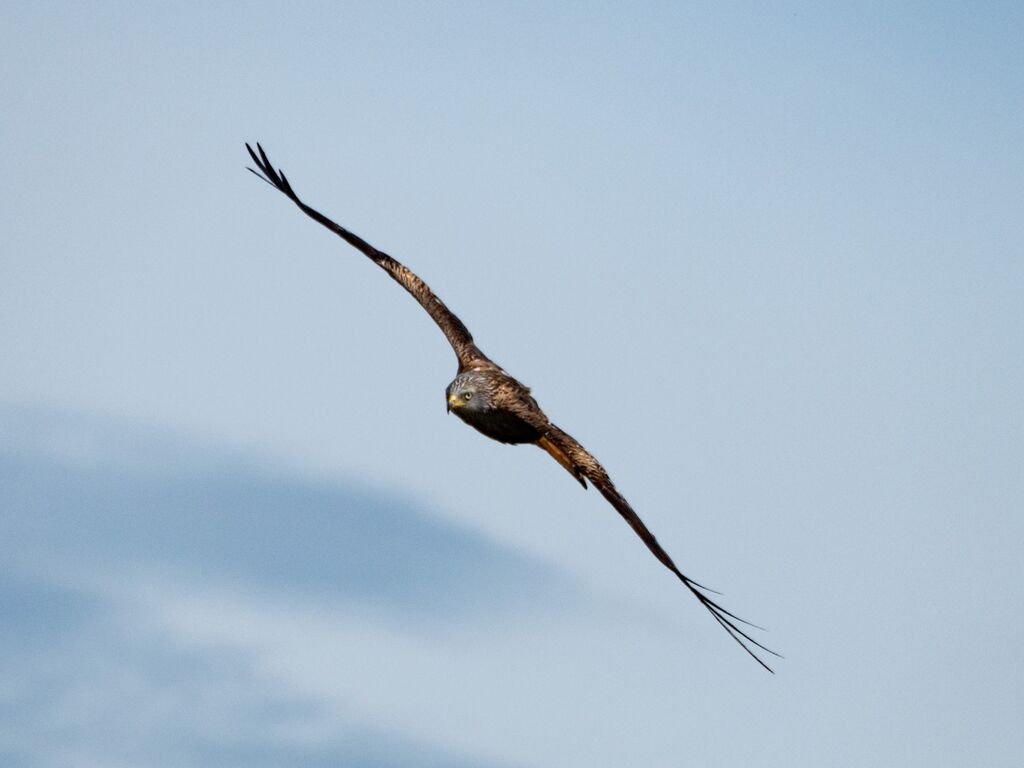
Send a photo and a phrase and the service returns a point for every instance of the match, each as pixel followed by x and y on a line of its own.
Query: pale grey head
pixel 469 392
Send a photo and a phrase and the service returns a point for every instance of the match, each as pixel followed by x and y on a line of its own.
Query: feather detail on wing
pixel 458 335
pixel 560 456
pixel 584 465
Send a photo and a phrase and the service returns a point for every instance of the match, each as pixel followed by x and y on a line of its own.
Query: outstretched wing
pixel 574 457
pixel 453 328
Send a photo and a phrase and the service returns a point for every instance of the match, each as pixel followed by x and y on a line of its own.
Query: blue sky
pixel 766 263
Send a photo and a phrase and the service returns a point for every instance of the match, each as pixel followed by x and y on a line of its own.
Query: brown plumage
pixel 494 403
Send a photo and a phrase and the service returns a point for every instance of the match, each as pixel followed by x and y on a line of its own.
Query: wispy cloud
pixel 137 596
pixel 209 518
pixel 88 683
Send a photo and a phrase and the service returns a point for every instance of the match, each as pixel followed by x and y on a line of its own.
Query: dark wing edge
pixel 468 354
pixel 586 465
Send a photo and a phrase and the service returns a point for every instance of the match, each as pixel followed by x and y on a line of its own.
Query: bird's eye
pixel 467 396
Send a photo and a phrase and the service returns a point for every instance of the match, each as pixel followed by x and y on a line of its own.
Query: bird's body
pixel 498 423
pixel 496 405
pixel 502 408
pixel 487 398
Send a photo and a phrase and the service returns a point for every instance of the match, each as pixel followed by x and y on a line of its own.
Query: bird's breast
pixel 499 425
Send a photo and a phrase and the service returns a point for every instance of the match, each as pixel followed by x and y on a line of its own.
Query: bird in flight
pixel 494 403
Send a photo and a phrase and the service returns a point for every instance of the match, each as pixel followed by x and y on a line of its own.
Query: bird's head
pixel 468 392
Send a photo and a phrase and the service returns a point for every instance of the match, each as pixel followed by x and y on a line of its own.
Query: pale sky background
pixel 766 263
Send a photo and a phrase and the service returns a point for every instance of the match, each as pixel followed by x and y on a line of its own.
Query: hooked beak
pixel 453 402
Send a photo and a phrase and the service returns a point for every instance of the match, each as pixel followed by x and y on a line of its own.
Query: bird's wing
pixel 582 464
pixel 458 335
